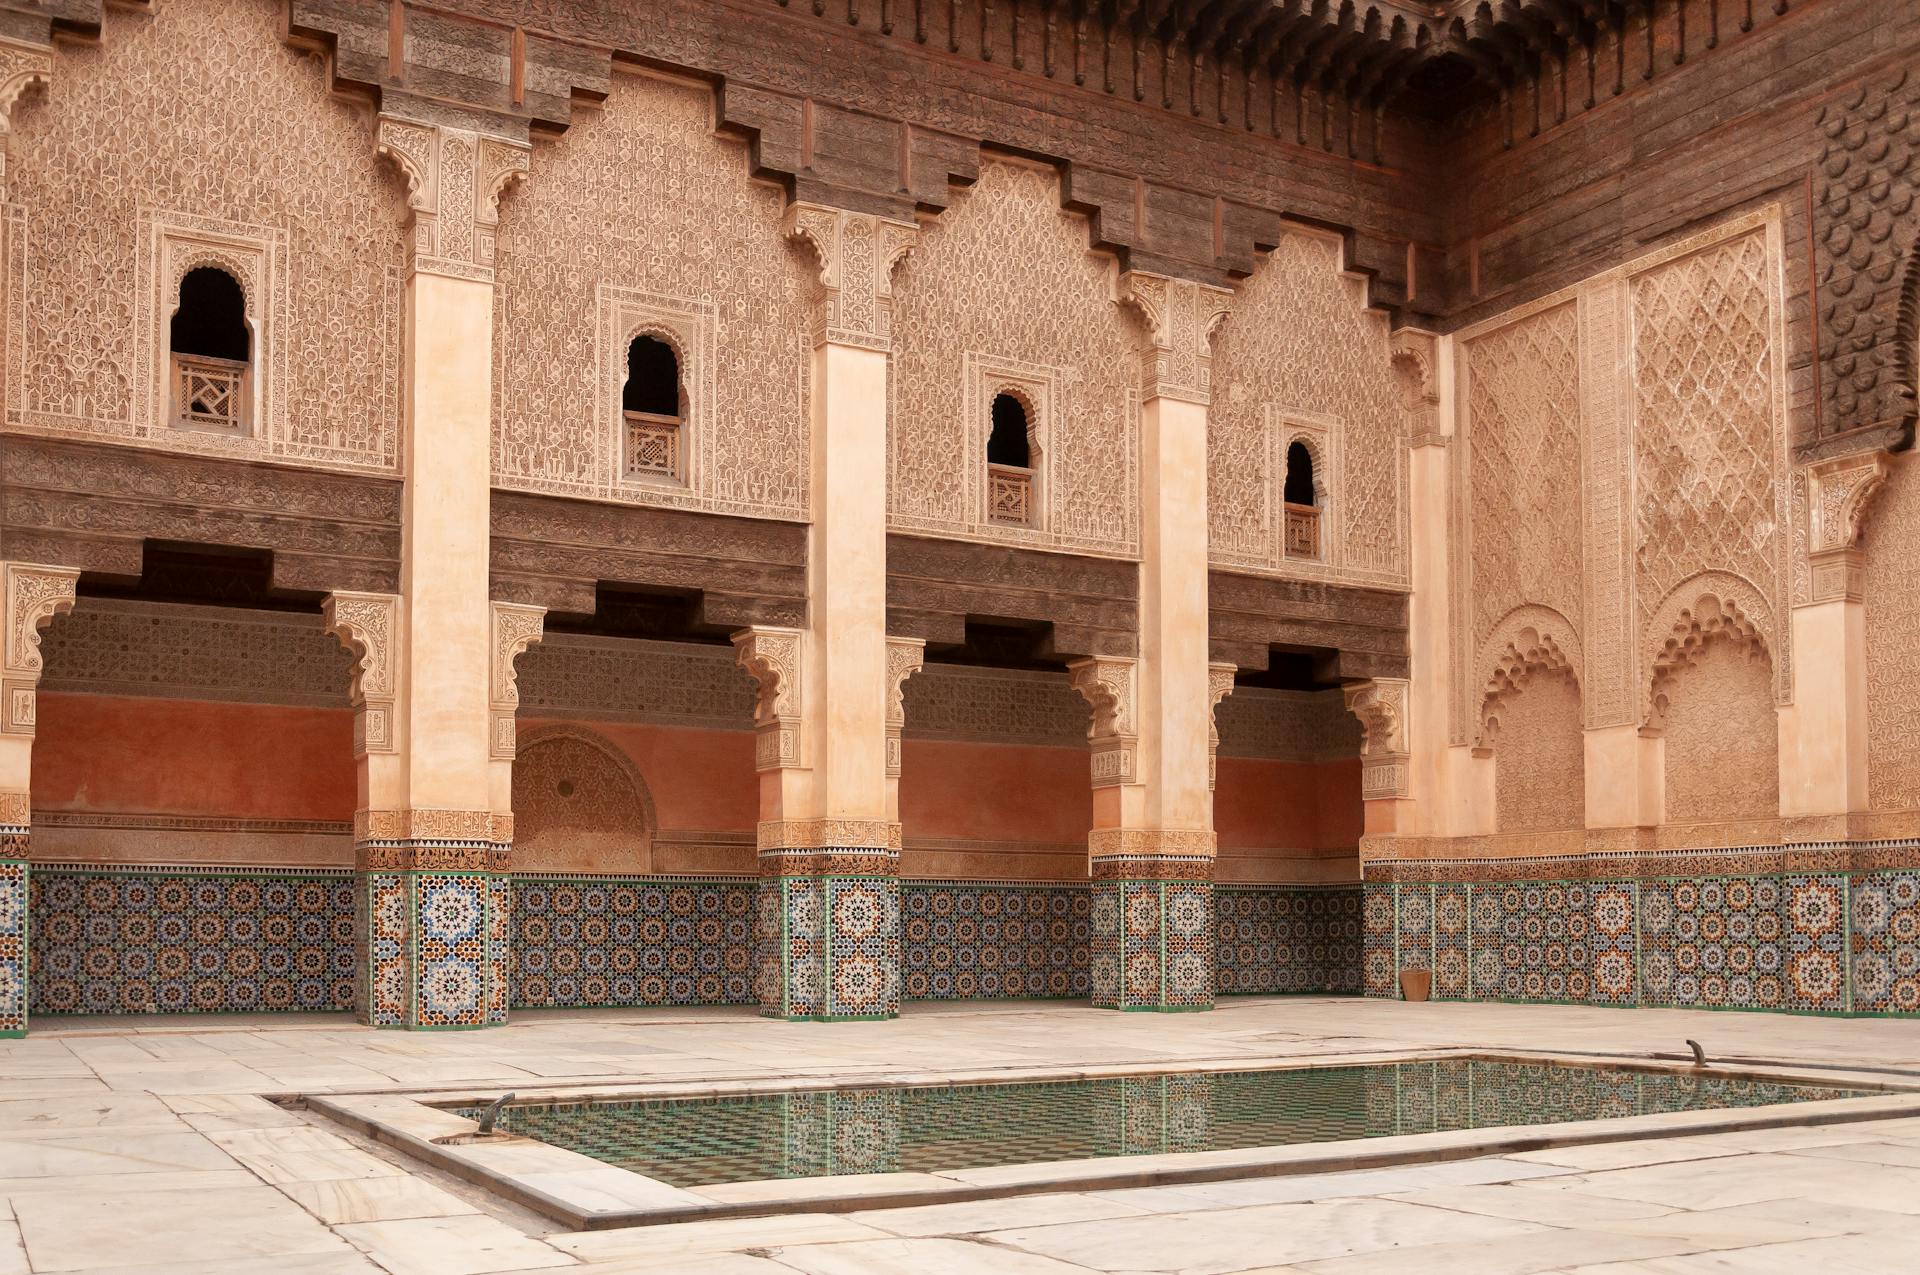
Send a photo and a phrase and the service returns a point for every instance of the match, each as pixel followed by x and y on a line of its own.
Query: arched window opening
pixel 650 401
pixel 1301 497
pixel 211 348
pixel 1010 463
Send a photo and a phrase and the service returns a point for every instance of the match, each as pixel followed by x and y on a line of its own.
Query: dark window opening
pixel 212 319
pixel 1008 445
pixel 653 378
pixel 1299 489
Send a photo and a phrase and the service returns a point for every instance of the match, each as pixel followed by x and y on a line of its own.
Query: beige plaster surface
pixel 1823 733
pixel 141 1146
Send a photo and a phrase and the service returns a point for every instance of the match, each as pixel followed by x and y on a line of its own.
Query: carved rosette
pixel 1838 495
pixel 1219 686
pixel 455 177
pixel 1109 684
pixel 22 65
pixel 1176 360
pixel 368 624
pixel 857 253
pixel 1381 706
pixel 516 626
pixel 32 596
pixel 771 657
pixel 905 657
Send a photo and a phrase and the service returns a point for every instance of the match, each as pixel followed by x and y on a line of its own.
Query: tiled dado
pixel 1153 945
pixel 581 941
pixel 186 940
pixel 1287 940
pixel 1812 942
pixel 432 948
pixel 967 940
pixel 13 946
pixel 827 926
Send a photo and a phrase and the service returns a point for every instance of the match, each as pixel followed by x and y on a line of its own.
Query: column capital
pixel 516 626
pixel 1219 686
pixel 857 253
pixel 1839 493
pixel 905 657
pixel 1176 361
pixel 368 625
pixel 456 173
pixel 1111 686
pixel 1381 705
pixel 32 597
pixel 772 658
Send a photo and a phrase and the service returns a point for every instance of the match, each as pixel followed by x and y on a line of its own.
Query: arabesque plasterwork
pixel 1004 279
pixel 905 657
pixel 1621 436
pixel 708 270
pixel 772 658
pixel 455 176
pixel 1111 687
pixel 516 627
pixel 99 210
pixel 1381 706
pixel 1219 686
pixel 32 597
pixel 856 253
pixel 368 624
pixel 1302 348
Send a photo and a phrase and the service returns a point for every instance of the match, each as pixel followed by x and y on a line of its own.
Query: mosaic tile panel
pixel 381 957
pixel 1815 942
pixel 451 961
pixel 1614 941
pixel 499 947
pixel 1885 913
pixel 1286 940
pixel 1153 945
pixel 830 947
pixel 962 940
pixel 581 941
pixel 1378 923
pixel 1715 943
pixel 1452 928
pixel 147 941
pixel 13 947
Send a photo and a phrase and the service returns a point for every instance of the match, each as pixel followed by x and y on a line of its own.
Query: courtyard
pixel 143 1146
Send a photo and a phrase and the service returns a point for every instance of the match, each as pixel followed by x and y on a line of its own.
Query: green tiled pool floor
pixel 696 1142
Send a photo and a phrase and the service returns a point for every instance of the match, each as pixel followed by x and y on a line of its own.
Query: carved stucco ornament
pixel 516 626
pixel 1219 686
pixel 455 177
pixel 857 253
pixel 1839 493
pixel 368 625
pixel 33 596
pixel 905 657
pixel 1176 360
pixel 1381 705
pixel 771 657
pixel 22 65
pixel 1110 685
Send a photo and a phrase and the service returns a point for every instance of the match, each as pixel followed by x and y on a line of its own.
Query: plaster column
pixel 1152 847
pixel 829 836
pixel 30 597
pixel 432 923
pixel 1823 733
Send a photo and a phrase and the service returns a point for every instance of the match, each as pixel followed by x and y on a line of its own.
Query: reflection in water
pixel 695 1142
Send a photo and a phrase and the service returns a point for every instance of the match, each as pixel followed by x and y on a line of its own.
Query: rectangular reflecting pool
pixel 703 1141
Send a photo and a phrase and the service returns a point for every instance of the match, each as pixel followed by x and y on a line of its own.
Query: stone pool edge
pixel 582 1193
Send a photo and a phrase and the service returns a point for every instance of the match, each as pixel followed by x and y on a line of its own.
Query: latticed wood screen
pixel 653 445
pixel 1303 531
pixel 1010 495
pixel 210 393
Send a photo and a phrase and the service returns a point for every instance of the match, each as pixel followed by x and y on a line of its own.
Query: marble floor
pixel 141 1146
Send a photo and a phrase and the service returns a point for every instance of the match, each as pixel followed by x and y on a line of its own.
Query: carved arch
pixel 1528 640
pixel 1712 604
pixel 580 804
pixel 30 598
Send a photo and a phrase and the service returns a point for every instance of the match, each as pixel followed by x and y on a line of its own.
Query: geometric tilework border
pixel 1805 942
pixel 14 930
pixel 159 940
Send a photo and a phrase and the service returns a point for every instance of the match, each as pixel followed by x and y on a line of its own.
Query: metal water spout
pixel 1699 1054
pixel 491 1112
